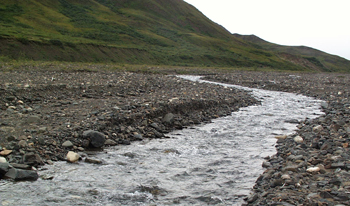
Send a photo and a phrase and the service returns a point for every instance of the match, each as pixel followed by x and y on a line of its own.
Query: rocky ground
pixel 312 166
pixel 46 114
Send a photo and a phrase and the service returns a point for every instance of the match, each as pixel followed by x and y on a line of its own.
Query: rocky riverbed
pixel 46 115
pixel 312 166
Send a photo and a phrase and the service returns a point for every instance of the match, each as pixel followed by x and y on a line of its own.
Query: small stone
pixel 93 161
pixel 293 168
pixel 33 119
pixel 110 142
pixel 72 157
pixel 4 168
pixel 42 129
pixel 277 182
pixel 168 118
pixel 298 139
pixel 21 166
pixel 22 144
pixel 32 159
pixel 266 164
pixel 285 177
pixel 281 137
pixel 138 137
pixel 67 144
pixel 252 198
pixel 5 152
pixel 324 105
pixel 313 169
pixel 3 160
pixel 317 128
pixel 80 149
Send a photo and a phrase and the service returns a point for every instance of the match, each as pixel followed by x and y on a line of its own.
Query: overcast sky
pixel 321 24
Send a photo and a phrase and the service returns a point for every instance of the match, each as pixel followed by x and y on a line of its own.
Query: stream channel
pixel 212 164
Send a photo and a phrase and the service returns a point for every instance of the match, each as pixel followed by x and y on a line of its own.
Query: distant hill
pixel 158 32
pixel 305 56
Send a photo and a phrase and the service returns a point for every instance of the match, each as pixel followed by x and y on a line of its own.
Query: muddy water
pixel 212 164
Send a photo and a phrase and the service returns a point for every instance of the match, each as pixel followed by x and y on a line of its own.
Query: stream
pixel 211 164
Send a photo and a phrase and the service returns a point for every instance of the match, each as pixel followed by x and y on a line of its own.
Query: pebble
pixel 67 144
pixel 298 139
pixel 5 152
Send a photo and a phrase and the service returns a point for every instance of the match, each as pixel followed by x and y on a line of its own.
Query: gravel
pixel 48 114
pixel 312 166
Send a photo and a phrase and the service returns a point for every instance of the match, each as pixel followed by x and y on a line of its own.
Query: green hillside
pixel 307 57
pixel 163 32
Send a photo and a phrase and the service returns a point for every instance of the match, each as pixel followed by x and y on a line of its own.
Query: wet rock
pixel 266 164
pixel 92 161
pixel 138 137
pixel 21 166
pixel 97 139
pixel 72 157
pixel 4 168
pixel 281 137
pixel 110 142
pixel 22 175
pixel 252 198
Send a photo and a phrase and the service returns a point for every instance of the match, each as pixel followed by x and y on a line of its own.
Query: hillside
pixel 305 56
pixel 163 32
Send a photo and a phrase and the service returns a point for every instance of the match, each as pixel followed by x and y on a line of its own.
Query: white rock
pixel 72 157
pixel 3 160
pixel 313 169
pixel 281 137
pixel 285 176
pixel 298 139
pixel 317 128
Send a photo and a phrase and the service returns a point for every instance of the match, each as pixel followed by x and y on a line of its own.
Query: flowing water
pixel 212 164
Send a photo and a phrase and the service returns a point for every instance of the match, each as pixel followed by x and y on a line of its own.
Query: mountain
pixel 157 32
pixel 305 56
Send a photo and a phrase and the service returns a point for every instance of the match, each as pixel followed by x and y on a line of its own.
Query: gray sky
pixel 321 24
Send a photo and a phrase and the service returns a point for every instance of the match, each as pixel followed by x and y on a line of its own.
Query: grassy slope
pixel 168 32
pixel 310 58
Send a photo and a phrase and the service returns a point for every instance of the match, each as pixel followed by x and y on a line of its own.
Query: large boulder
pixel 97 139
pixel 22 175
